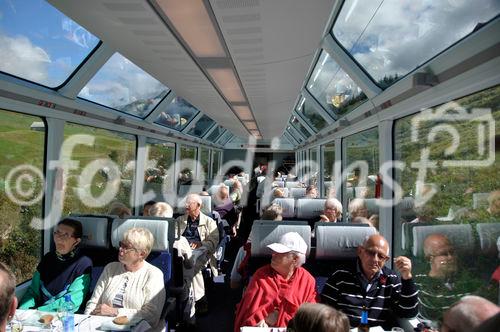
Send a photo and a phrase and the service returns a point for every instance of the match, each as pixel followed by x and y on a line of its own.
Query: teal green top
pixel 77 289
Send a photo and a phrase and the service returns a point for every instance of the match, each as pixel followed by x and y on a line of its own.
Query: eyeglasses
pixel 374 253
pixel 447 252
pixel 62 235
pixel 125 247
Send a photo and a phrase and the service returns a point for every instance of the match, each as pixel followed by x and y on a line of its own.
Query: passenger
pixel 147 206
pixel 368 283
pixel 278 193
pixel 332 211
pixel 202 234
pixel 131 287
pixel 119 209
pixel 445 283
pixel 317 317
pixel 8 300
pixel 239 272
pixel 161 209
pixel 225 207
pixel 273 212
pixel 236 192
pixel 277 290
pixel 311 191
pixel 468 314
pixel 361 220
pixel 374 220
pixel 60 272
pixel 357 208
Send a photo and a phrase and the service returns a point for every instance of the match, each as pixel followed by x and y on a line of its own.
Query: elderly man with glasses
pixel 369 286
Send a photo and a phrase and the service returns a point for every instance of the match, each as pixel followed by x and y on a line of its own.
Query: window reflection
pixel 121 85
pixel 310 115
pixel 201 127
pixel 299 127
pixel 178 114
pixel 390 38
pixel 215 134
pixel 333 88
pixel 158 174
pixel 452 235
pixel 328 169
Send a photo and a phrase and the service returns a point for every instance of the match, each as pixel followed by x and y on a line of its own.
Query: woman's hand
pixel 104 310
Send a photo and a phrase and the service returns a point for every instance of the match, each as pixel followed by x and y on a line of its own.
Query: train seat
pixel 480 200
pixel 460 235
pixel 297 192
pixel 293 184
pixel 96 242
pixel 279 184
pixel 309 208
pixel 488 233
pixel 288 206
pixel 372 205
pixel 163 230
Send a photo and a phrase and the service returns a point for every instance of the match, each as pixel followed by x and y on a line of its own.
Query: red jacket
pixel 269 290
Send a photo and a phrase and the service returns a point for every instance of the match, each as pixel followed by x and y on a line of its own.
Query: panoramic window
pixel 40 44
pixel 204 161
pixel 216 160
pixel 187 167
pixel 290 132
pixel 310 115
pixel 314 162
pixel 333 88
pixel 215 134
pixel 201 126
pixel 448 221
pixel 22 141
pixel 391 38
pixel 105 172
pixel 328 169
pixel 158 175
pixel 225 138
pixel 361 166
pixel 123 86
pixel 178 114
pixel 299 127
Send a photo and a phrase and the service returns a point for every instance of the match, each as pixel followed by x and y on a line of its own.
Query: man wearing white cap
pixel 277 290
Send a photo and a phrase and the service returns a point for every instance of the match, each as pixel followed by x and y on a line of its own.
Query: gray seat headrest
pixel 336 241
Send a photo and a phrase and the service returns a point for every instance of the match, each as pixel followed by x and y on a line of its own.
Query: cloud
pixel 121 82
pixel 403 33
pixel 18 56
pixel 76 34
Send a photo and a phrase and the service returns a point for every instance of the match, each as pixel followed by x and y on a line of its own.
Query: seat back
pixel 489 234
pixel 293 184
pixel 460 236
pixel 336 241
pixel 265 232
pixel 279 184
pixel 288 206
pixel 372 205
pixel 297 192
pixel 163 230
pixel 308 208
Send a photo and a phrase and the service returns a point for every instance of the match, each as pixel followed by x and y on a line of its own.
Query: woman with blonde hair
pixel 131 287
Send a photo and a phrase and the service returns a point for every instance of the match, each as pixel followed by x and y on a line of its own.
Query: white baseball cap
pixel 291 241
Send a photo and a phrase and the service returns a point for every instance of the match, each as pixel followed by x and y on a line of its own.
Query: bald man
pixel 444 284
pixel 468 314
pixel 368 284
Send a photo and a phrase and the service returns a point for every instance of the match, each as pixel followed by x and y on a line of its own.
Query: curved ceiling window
pixel 390 38
pixel 310 115
pixel 333 88
pixel 177 115
pixel 40 44
pixel 299 127
pixel 123 86
pixel 226 137
pixel 215 134
pixel 201 126
pixel 296 137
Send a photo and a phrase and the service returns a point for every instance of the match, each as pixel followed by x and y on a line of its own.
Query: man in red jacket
pixel 277 290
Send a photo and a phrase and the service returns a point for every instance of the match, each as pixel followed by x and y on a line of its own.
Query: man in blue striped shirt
pixel 367 284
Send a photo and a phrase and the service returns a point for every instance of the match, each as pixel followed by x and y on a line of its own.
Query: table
pixel 29 320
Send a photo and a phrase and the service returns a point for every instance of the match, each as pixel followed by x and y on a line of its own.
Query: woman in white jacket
pixel 131 287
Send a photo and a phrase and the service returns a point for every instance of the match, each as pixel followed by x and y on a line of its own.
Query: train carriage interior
pixel 390 107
